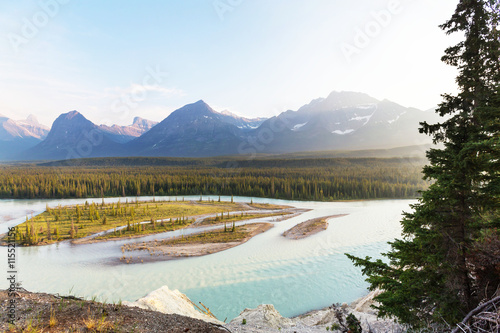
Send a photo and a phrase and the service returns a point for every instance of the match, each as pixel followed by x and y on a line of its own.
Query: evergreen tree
pixel 49 236
pixel 434 274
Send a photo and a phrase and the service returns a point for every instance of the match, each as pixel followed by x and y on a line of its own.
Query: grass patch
pixel 217 236
pixel 267 206
pixel 73 222
pixel 224 218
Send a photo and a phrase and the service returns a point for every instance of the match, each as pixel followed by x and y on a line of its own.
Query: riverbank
pixel 266 319
pixel 41 312
pixel 164 308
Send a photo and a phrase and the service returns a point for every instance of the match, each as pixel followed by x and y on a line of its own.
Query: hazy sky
pixel 113 60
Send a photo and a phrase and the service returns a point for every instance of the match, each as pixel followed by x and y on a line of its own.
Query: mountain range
pixel 124 134
pixel 341 121
pixel 18 135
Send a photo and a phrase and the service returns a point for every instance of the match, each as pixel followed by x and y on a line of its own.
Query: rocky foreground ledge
pixel 166 310
pixel 265 318
pixel 40 312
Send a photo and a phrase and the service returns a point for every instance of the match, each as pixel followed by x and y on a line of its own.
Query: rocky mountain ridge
pixel 341 121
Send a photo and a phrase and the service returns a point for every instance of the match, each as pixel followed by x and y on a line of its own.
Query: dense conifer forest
pixel 298 179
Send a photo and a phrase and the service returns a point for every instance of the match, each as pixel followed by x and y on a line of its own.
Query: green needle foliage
pixel 448 262
pixel 323 179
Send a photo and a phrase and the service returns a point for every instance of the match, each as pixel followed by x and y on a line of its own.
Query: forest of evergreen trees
pixel 308 179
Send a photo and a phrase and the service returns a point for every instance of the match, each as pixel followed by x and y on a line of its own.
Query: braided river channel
pixel 295 275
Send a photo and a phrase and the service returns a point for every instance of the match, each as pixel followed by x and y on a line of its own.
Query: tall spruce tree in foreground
pixel 449 258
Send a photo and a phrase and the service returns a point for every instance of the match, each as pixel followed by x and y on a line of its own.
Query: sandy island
pixel 88 223
pixel 283 213
pixel 165 250
pixel 309 227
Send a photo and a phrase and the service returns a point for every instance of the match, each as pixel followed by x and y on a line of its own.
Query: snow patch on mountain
pixel 358 118
pixel 366 119
pixel 396 119
pixel 366 107
pixel 343 132
pixel 296 127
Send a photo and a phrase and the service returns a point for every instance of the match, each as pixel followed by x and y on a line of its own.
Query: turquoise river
pixel 295 275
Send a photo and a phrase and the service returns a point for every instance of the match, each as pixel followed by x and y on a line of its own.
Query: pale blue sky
pixel 252 57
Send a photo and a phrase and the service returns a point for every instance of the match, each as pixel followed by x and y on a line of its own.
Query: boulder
pixel 171 302
pixel 265 315
pixel 364 303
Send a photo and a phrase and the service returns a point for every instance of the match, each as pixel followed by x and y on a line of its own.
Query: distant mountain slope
pixel 404 155
pixel 407 152
pixel 195 130
pixel 19 135
pixel 73 136
pixel 343 121
pixel 28 128
pixel 241 122
pixel 124 134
